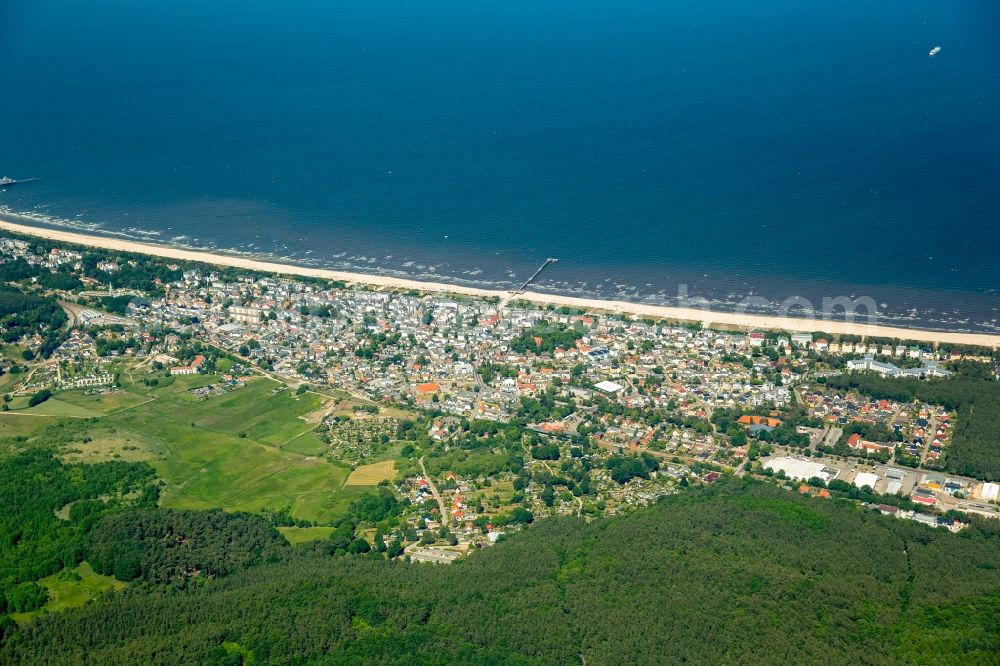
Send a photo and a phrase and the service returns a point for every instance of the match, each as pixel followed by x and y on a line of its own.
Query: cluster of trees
pixel 19 270
pixel 380 509
pixel 545 407
pixel 975 447
pixel 39 397
pixel 470 463
pixel 140 272
pixel 546 451
pixel 376 507
pixel 872 432
pixel 165 545
pixel 625 468
pixel 116 304
pixel 34 485
pixel 26 314
pixel 545 337
pixel 745 573
pixel 375 344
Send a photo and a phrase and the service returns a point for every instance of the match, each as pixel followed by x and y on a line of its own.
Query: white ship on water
pixel 934 51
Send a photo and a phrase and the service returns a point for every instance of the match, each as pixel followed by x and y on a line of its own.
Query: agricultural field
pixel 371 475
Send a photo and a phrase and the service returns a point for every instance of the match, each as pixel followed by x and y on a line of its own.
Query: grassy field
pixel 103 403
pixel 262 410
pixel 307 444
pixel 502 491
pixel 227 451
pixel 66 592
pixel 13 424
pixel 295 535
pixel 53 407
pixel 113 443
pixel 371 475
pixel 251 449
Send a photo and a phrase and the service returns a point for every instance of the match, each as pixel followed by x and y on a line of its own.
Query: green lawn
pixel 64 592
pixel 13 352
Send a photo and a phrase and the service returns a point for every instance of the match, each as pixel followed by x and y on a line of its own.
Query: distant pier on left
pixel 7 182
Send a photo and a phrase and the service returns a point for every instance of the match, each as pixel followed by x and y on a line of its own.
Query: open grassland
pixel 295 535
pixel 251 449
pixel 226 451
pixel 103 403
pixel 103 443
pixel 397 413
pixel 53 407
pixel 307 444
pixel 13 424
pixel 308 487
pixel 263 410
pixel 371 475
pixel 65 591
pixel 7 380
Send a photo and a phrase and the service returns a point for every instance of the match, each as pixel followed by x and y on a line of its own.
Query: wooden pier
pixel 534 275
pixel 7 182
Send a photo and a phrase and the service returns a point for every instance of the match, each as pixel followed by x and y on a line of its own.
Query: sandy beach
pixel 707 317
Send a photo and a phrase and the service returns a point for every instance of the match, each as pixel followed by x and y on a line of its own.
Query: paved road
pixel 929 433
pixel 445 517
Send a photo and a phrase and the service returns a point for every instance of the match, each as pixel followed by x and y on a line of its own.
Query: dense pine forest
pixel 742 572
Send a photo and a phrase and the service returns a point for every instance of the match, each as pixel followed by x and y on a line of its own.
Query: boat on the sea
pixel 934 51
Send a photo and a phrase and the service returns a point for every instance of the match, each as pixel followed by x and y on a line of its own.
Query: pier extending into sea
pixel 524 287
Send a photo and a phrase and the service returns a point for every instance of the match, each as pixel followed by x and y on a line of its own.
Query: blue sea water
pixel 770 148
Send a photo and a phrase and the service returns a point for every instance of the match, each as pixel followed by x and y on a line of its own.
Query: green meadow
pixel 13 424
pixel 296 535
pixel 228 451
pixel 72 588
pixel 251 449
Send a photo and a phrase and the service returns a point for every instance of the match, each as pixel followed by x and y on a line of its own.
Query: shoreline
pixel 706 317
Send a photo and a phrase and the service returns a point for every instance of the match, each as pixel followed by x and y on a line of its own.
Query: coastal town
pixel 476 416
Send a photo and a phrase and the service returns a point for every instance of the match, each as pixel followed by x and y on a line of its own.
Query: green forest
pixel 740 572
pixel 975 449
